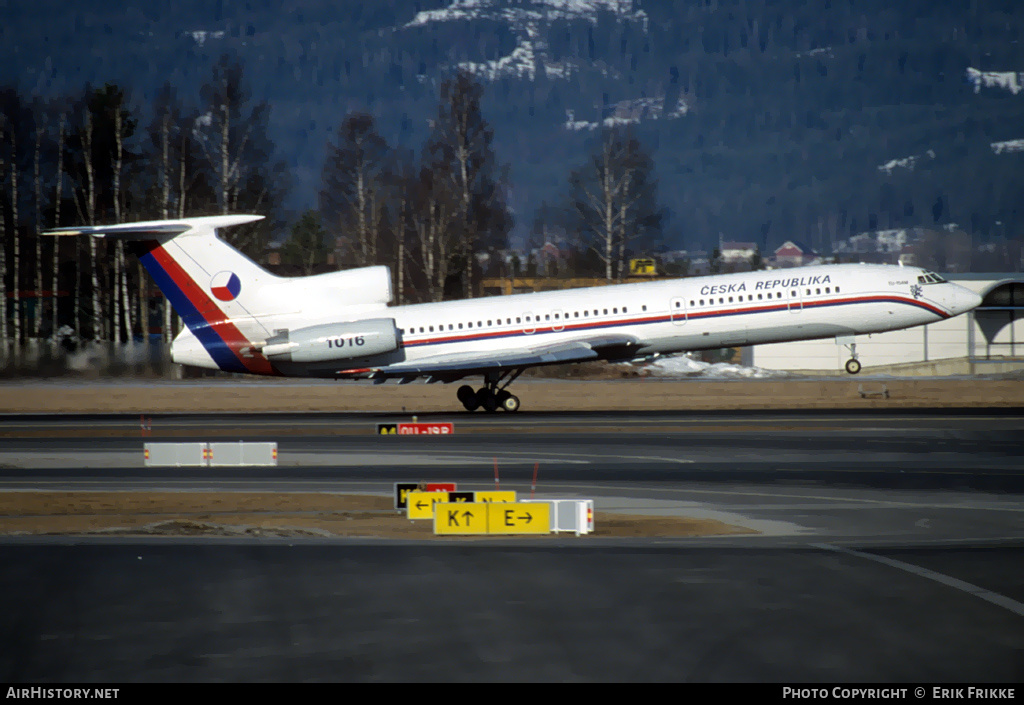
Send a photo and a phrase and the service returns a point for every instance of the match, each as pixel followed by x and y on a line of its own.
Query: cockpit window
pixel 930 278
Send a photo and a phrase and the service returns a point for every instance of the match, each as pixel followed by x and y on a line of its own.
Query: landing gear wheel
pixel 488 400
pixel 509 402
pixel 853 366
pixel 493 395
pixel 468 398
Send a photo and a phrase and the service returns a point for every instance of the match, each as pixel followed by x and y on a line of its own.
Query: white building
pixel 987 340
pixel 733 252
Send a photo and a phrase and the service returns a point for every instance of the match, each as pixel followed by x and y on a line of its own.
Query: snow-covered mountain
pixel 528 21
pixel 1012 81
pixel 630 112
pixel 766 121
pixel 527 11
pixel 1008 146
pixel 907 163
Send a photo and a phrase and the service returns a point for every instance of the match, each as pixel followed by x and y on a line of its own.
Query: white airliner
pixel 241 318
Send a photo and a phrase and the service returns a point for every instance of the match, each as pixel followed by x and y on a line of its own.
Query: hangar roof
pixel 999 291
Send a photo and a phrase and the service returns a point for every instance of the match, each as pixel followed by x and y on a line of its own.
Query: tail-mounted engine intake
pixel 333 341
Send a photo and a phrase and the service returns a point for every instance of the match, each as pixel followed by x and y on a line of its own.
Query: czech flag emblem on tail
pixel 225 286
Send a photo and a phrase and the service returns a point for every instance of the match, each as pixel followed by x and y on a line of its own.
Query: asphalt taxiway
pixel 890 548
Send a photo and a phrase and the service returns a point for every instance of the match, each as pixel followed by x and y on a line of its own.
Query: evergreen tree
pixel 308 246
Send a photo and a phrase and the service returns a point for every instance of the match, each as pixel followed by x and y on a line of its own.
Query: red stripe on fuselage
pixel 211 313
pixel 691 315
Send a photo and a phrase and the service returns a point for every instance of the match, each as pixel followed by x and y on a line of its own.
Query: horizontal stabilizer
pixel 151 228
pixel 103 231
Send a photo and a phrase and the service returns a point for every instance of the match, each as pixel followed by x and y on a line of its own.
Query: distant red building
pixel 793 254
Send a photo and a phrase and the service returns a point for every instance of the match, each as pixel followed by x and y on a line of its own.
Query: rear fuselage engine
pixel 333 341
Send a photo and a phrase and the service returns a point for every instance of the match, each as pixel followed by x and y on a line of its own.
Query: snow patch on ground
pixel 678 366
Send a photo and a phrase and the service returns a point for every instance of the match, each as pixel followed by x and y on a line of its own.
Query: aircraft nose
pixel 964 300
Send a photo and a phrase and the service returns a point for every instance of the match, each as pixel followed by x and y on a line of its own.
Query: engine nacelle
pixel 333 341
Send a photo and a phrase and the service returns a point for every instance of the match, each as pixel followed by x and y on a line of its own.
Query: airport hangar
pixel 988 340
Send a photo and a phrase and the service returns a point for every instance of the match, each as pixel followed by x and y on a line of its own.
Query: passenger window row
pixel 588 313
pixel 559 316
pixel 750 297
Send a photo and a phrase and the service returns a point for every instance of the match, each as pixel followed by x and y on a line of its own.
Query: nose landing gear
pixel 853 364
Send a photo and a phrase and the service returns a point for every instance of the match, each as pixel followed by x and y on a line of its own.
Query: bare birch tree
pixel 614 200
pixel 98 161
pixel 37 193
pixel 232 133
pixel 88 197
pixel 400 221
pixel 179 180
pixel 436 239
pixel 357 183
pixel 58 196
pixel 4 331
pixel 17 243
pixel 459 151
pixel 123 318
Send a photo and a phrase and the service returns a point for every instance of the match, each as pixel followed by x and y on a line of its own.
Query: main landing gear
pixel 491 396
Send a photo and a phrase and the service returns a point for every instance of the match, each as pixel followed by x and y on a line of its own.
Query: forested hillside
pixel 765 121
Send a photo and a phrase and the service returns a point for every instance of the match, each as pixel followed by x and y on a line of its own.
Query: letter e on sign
pixel 519 518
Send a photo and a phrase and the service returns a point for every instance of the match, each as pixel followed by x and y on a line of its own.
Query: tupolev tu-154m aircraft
pixel 241 318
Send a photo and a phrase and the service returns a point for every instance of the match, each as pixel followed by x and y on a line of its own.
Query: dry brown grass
pixel 268 514
pixel 598 395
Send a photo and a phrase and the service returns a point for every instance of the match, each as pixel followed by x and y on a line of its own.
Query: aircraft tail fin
pixel 211 285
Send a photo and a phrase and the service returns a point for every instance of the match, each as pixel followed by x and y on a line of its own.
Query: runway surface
pixel 890 549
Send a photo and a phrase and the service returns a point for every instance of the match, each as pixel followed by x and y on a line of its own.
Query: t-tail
pixel 210 284
pixel 230 305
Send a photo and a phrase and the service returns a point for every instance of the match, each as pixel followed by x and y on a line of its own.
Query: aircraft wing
pixel 448 368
